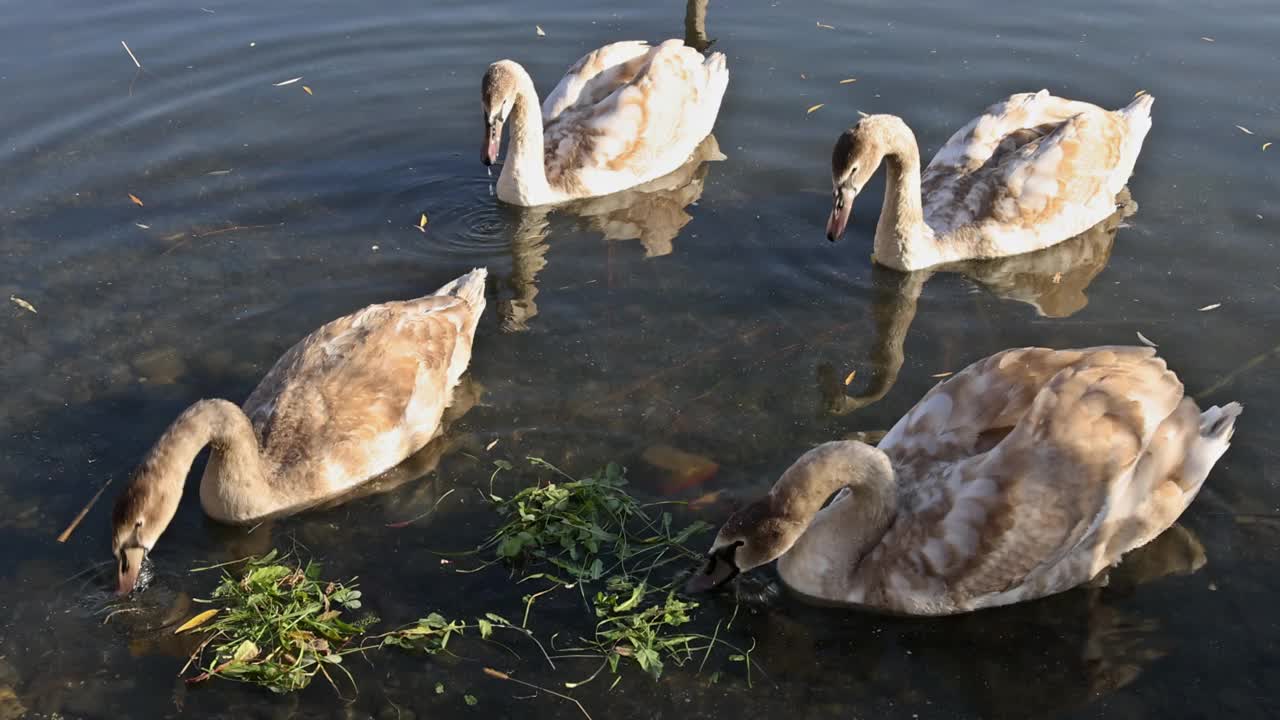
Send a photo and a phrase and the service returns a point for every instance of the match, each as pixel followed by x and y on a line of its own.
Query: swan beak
pixel 841 211
pixel 718 569
pixel 492 142
pixel 130 566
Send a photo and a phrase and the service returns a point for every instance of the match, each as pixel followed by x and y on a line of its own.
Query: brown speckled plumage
pixel 1025 474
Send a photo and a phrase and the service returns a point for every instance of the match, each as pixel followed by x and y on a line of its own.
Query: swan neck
pixel 524 174
pixel 805 488
pixel 159 482
pixel 903 240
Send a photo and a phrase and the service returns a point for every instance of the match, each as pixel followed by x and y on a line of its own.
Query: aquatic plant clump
pixel 278 625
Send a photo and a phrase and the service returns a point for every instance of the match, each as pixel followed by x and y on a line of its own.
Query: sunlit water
pixel 713 318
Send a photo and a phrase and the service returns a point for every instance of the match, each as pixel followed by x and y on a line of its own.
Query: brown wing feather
pixel 351 381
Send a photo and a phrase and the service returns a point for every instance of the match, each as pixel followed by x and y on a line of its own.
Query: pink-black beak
pixel 841 212
pixel 718 569
pixel 129 567
pixel 492 141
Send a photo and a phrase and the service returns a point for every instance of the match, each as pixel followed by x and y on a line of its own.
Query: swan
pixel 1028 173
pixel 1024 475
pixel 621 116
pixel 346 403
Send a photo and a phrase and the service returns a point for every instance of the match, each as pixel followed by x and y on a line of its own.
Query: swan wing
pixel 362 392
pixel 594 76
pixel 642 130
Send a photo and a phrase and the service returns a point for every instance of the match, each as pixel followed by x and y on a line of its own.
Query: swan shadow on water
pixel 1053 281
pixel 653 213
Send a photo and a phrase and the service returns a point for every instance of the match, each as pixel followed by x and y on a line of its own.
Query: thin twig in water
pixel 66 534
pixel 132 57
pixel 410 521
pixel 211 233
pixel 503 676
pixel 1226 379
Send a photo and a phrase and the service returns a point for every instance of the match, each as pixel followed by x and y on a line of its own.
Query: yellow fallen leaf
pixel 815 107
pixel 196 621
pixel 23 303
pixel 491 445
pixel 846 81
pixel 541 32
pixel 825 26
pixel 942 374
pixel 422 222
pixel 307 90
pixel 1140 92
pixel 849 378
pixel 135 199
pixel 1266 145
pixel 1245 130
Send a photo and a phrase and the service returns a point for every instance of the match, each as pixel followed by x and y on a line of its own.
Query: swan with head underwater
pixel 622 115
pixel 345 404
pixel 1028 173
pixel 1026 474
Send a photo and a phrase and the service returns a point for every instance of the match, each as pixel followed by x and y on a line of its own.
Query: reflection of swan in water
pixel 695 25
pixel 1053 281
pixel 653 213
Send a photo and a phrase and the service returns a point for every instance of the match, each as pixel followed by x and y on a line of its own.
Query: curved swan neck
pixel 524 174
pixel 904 240
pixel 235 466
pixel 807 485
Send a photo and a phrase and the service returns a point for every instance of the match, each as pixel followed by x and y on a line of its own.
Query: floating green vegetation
pixel 276 624
pixel 596 533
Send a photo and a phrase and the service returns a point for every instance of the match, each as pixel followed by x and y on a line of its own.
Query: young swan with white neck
pixel 345 404
pixel 1026 474
pixel 623 115
pixel 1028 173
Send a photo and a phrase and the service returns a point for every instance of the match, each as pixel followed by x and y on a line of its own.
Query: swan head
pixel 498 93
pixel 753 536
pixel 141 514
pixel 854 159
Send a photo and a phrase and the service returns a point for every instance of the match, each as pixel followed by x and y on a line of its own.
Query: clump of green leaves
pixel 588 528
pixel 278 625
pixel 594 531
pixel 431 634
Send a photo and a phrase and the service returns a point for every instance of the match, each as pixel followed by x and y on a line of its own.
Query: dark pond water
pixel 712 318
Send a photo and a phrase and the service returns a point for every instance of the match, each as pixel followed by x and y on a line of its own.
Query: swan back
pixel 362 392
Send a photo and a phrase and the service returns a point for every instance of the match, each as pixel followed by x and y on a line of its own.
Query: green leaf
pixel 439 688
pixel 246 651
pixel 486 628
pixel 470 700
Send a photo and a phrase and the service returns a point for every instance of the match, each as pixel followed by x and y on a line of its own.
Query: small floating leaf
pixel 1207 39
pixel 23 303
pixel 862 114
pixel 941 374
pixel 422 222
pixel 196 621
pixel 825 26
pixel 491 445
pixel 815 107
pixel 1207 308
pixel 307 90
pixel 470 700
pixel 849 378
pixel 290 81
pixel 1265 145
pixel 540 31
pixel 135 199
pixel 846 81
pixel 439 688
pixel 1245 130
pixel 1146 340
pixel 144 227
